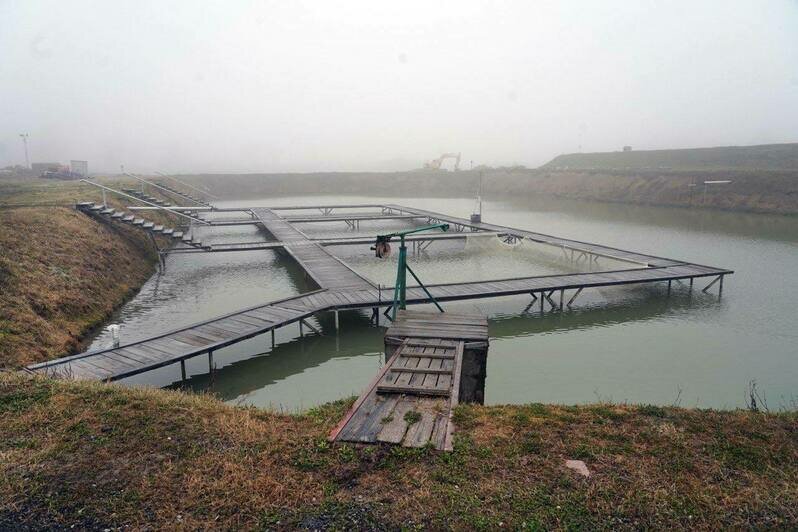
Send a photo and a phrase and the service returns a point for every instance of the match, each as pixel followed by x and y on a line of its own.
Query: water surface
pixel 632 344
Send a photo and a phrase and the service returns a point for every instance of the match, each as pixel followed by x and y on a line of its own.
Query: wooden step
pixel 96 208
pixel 428 355
pixel 177 234
pixel 157 229
pixel 436 371
pixel 148 225
pixel 117 215
pixel 107 211
pixel 138 221
pixel 129 218
pixel 414 390
pixel 168 232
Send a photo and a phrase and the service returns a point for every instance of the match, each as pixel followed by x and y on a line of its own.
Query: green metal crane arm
pixel 400 287
pixel 388 237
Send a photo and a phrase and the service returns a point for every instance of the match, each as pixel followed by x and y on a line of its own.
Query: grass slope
pixel 104 456
pixel 763 157
pixel 61 272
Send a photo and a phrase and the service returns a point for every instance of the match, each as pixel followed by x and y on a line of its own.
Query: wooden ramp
pixel 435 360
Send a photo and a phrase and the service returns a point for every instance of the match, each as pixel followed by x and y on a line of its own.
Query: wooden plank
pixel 360 400
pixel 393 431
pixel 435 371
pixel 418 434
pixel 439 431
pixel 454 398
pixel 137 355
pixel 216 330
pixel 440 355
pixel 415 390
pixel 371 425
pixel 189 338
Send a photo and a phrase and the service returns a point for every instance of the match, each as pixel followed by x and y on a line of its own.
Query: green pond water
pixel 624 344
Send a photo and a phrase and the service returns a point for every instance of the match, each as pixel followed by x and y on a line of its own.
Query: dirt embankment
pixel 752 191
pixel 61 272
pixel 767 192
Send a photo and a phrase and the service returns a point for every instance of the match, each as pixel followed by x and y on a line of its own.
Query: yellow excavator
pixel 435 164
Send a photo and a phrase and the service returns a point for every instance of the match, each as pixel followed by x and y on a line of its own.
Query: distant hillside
pixel 764 157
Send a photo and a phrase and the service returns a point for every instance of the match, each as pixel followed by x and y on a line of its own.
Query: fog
pixel 301 86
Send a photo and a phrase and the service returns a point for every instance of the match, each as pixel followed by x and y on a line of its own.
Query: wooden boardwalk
pixel 326 270
pixel 342 288
pixel 411 400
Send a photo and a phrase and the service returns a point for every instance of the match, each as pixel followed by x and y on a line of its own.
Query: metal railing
pixel 160 207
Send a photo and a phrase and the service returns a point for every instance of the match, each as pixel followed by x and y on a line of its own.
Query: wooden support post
pixel 336 320
pixel 210 362
pixel 720 286
pixel 669 287
pixel 691 284
pixel 183 369
pixel 272 338
pixel 562 297
pixel 301 332
pixel 541 302
pixel 377 316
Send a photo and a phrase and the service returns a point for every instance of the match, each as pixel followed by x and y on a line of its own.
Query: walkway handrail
pixel 156 185
pixel 160 207
pixel 187 185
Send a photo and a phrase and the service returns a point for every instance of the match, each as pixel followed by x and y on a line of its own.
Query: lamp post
pixel 24 137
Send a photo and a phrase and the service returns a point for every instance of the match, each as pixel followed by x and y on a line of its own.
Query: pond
pixel 624 344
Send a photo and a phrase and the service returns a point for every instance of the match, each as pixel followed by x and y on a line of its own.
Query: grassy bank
pixel 764 157
pixel 61 272
pixel 96 456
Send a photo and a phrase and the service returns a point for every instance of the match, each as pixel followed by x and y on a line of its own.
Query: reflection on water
pixel 622 343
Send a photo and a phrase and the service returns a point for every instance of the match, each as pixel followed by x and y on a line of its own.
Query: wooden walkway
pixel 563 243
pixel 411 400
pixel 326 270
pixel 342 288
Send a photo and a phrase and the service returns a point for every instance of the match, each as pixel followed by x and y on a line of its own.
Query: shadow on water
pixel 634 305
pixel 358 337
pixel 236 379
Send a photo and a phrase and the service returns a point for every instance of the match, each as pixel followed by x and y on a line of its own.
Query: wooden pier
pixel 342 288
pixel 435 361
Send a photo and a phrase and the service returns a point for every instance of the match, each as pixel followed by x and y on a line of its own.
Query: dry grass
pixel 94 456
pixel 61 272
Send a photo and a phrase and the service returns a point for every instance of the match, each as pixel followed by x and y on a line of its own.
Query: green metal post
pixel 400 288
pixel 400 292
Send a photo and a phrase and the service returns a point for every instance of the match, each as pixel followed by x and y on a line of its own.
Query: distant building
pixel 40 168
pixel 627 148
pixel 79 167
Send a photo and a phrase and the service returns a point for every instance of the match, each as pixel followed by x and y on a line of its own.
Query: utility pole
pixel 25 142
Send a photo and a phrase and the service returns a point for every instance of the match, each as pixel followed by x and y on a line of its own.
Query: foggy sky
pixel 301 86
